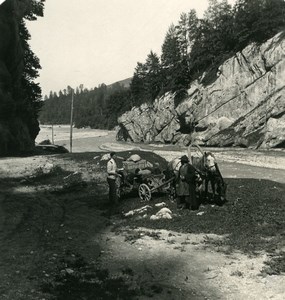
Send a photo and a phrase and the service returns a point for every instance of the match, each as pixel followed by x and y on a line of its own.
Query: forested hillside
pixel 191 48
pixel 97 108
pixel 20 95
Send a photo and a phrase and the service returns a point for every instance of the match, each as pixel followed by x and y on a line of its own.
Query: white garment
pixel 112 169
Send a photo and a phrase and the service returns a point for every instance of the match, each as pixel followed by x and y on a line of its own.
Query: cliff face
pixel 15 133
pixel 244 106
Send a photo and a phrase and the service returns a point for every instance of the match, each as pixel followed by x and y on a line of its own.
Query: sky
pixel 91 42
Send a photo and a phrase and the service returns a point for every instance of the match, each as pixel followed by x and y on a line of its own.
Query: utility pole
pixel 71 120
pixel 52 139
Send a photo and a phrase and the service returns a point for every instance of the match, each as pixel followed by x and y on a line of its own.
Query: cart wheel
pixel 144 192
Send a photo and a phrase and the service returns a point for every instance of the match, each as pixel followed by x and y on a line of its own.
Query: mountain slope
pixel 244 106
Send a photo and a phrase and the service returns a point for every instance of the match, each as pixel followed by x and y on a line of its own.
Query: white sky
pixel 100 41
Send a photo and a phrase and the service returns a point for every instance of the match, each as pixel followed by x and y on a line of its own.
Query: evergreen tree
pixel 193 24
pixel 215 38
pixel 153 76
pixel 171 54
pixel 174 64
pixel 28 94
pixel 193 47
pixel 182 31
pixel 258 20
pixel 118 103
pixel 138 84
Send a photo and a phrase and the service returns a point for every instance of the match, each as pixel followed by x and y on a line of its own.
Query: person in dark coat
pixel 186 187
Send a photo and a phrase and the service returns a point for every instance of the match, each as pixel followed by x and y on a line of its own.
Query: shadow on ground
pixel 48 228
pixel 252 218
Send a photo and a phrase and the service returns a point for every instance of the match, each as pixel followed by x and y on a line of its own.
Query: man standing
pixel 186 187
pixel 112 175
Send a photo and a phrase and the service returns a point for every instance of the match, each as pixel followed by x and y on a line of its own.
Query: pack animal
pixel 209 170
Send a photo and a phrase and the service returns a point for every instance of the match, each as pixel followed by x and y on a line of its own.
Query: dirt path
pixel 170 265
pixel 180 266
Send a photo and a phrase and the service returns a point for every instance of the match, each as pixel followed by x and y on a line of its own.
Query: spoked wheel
pixel 144 192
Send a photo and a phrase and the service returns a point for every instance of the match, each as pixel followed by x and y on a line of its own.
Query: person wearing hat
pixel 186 185
pixel 112 171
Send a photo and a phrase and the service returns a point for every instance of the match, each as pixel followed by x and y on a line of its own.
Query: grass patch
pixel 252 220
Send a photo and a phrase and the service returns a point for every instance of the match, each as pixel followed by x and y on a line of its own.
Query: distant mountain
pixel 124 83
pixel 97 108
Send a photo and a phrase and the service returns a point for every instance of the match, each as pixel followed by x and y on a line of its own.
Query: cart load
pixel 143 177
pixel 135 164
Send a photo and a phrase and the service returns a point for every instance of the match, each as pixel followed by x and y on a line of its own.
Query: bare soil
pixel 60 239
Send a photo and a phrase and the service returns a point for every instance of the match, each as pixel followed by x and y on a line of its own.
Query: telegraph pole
pixel 71 120
pixel 52 139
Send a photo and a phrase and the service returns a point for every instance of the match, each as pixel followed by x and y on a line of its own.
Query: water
pixel 83 139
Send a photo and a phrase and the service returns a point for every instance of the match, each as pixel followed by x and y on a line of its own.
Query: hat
pixel 184 158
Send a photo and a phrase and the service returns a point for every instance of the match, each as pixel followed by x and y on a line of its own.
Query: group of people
pixel 185 183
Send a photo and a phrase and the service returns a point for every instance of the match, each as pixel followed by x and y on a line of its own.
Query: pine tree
pixel 138 84
pixel 152 76
pixel 258 20
pixel 174 64
pixel 29 93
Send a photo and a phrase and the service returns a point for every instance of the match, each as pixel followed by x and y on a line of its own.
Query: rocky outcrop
pixel 244 106
pixel 17 130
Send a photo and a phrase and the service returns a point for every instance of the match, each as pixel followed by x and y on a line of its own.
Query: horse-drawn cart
pixel 142 178
pixel 155 184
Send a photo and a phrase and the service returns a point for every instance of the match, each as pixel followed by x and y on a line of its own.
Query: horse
pixel 210 172
pixel 207 171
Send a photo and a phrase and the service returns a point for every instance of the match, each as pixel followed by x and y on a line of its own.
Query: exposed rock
pixel 244 106
pixel 144 125
pixel 17 129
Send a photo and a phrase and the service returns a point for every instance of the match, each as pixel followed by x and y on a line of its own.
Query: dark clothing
pixel 186 186
pixel 113 198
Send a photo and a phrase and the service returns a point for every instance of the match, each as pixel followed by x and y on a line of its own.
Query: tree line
pixel 96 108
pixel 20 95
pixel 192 47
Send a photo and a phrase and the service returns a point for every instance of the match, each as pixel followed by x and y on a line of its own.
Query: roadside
pixel 273 159
pixel 91 140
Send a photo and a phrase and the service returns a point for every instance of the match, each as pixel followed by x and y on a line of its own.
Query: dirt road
pixel 50 227
pixel 181 266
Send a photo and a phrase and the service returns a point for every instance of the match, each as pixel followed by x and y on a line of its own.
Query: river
pixel 234 162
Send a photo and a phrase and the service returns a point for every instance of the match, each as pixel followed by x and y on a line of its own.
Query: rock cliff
pixel 243 106
pixel 16 132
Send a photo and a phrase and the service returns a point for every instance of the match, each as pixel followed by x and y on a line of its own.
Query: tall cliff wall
pixel 15 134
pixel 244 106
